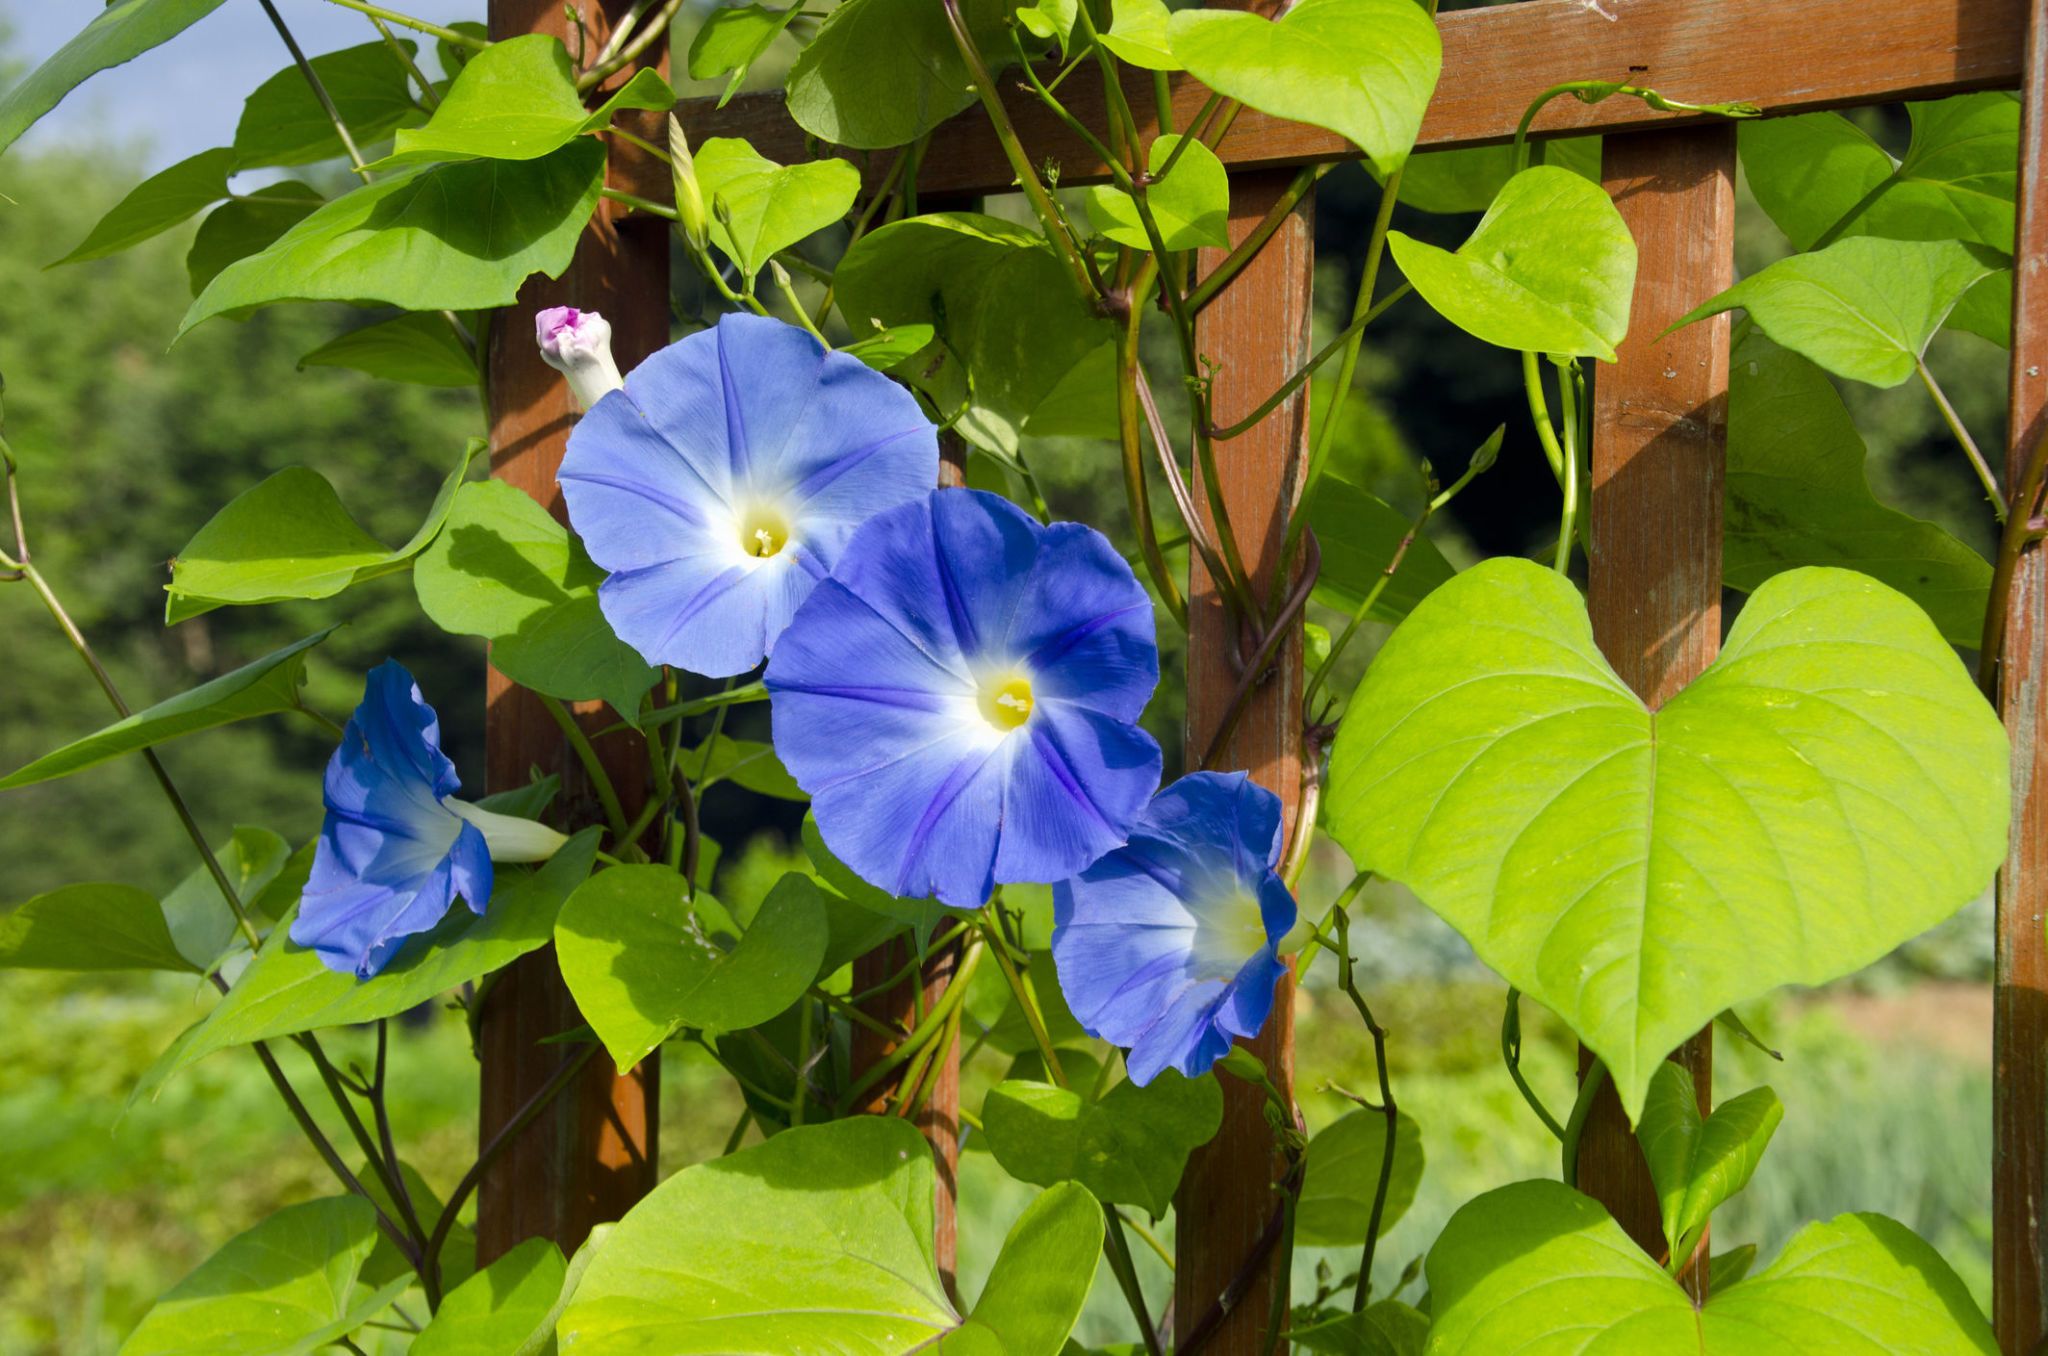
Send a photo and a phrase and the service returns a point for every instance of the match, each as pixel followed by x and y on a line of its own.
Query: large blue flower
pixel 959 698
pixel 1169 946
pixel 720 484
pixel 397 847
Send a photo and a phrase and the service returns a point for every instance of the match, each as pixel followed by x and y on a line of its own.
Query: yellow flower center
pixel 1006 702
pixel 763 531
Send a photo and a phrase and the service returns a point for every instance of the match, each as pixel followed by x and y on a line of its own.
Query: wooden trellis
pixel 1655 566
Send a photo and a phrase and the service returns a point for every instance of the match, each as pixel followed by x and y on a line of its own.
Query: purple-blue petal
pixel 1084 624
pixel 1154 948
pixel 1075 787
pixel 712 615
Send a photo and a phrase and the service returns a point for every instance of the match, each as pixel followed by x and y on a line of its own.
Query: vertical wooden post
pixel 1258 329
pixel 1660 433
pixel 2019 1179
pixel 939 1121
pixel 592 1154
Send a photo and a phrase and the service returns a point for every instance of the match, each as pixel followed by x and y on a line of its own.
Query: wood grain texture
pixel 1258 327
pixel 2019 1175
pixel 1785 55
pixel 592 1154
pixel 1660 436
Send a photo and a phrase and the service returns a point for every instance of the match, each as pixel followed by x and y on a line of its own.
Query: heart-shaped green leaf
pixel 1830 787
pixel 289 537
pixel 1863 308
pixel 1001 304
pixel 502 568
pixel 770 206
pixel 158 203
pixel 90 927
pixel 500 1309
pixel 118 32
pixel 517 100
pixel 1550 268
pixel 1363 69
pixel 1129 1148
pixel 1343 1175
pixel 733 40
pixel 1798 495
pixel 438 238
pixel 265 687
pixel 1140 33
pixel 1698 1162
pixel 284 122
pixel 819 1242
pixel 1538 1267
pixel 1191 204
pixel 1359 533
pixel 246 225
pixel 284 1288
pixel 287 990
pixel 642 964
pixel 421 349
pixel 882 73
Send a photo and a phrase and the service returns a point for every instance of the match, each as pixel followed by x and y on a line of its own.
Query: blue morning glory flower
pixel 397 847
pixel 720 484
pixel 959 698
pixel 1170 945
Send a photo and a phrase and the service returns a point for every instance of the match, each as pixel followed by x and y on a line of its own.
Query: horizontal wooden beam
pixel 1787 56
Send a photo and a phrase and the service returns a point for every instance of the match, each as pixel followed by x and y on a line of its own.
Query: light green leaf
pixel 1470 178
pixel 999 299
pixel 1798 495
pixel 246 225
pixel 269 685
pixel 771 206
pixel 282 1288
pixel 643 966
pixel 1550 268
pixel 422 349
pixel 289 537
pixel 1831 786
pixel 504 569
pixel 440 238
pixel 1388 1328
pixel 517 100
pixel 1863 308
pixel 1129 1148
pixel 1726 1268
pixel 283 122
pixel 1139 34
pixel 1697 1163
pixel 1040 1280
pixel 1054 21
pixel 817 1241
pixel 733 40
pixel 287 990
pixel 1537 1266
pixel 89 927
pixel 1343 1174
pixel 120 32
pixel 882 73
pixel 887 348
pixel 501 1308
pixel 158 203
pixel 201 924
pixel 744 762
pixel 1359 533
pixel 1191 205
pixel 1363 69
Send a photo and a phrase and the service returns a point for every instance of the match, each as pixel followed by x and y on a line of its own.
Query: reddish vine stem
pixel 1248 1270
pixel 1262 657
pixel 2023 527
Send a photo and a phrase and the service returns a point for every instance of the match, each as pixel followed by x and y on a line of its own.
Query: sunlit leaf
pixel 770 206
pixel 501 1309
pixel 158 203
pixel 121 31
pixel 1699 1162
pixel 1191 204
pixel 1129 1148
pixel 882 73
pixel 245 225
pixel 284 123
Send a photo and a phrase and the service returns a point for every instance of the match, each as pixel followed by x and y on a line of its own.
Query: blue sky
pixel 186 95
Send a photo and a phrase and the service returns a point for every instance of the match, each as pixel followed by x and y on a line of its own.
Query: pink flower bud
pixel 578 344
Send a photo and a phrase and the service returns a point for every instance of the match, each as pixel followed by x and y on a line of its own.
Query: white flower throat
pixel 763 530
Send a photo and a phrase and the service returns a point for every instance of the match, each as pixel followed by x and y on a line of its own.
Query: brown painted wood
pixel 939 1120
pixel 1660 435
pixel 1258 327
pixel 2019 1179
pixel 592 1155
pixel 1786 55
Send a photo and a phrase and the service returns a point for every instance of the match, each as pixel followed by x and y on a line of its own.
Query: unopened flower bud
pixel 689 198
pixel 578 344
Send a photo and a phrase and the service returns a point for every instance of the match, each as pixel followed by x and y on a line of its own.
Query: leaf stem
pixel 1511 1055
pixel 1575 1126
pixel 600 780
pixel 1387 1108
pixel 1962 437
pixel 432 30
pixel 1137 494
pixel 348 143
pixel 1117 1249
pixel 1027 999
pixel 1568 400
pixel 1219 277
pixel 609 62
